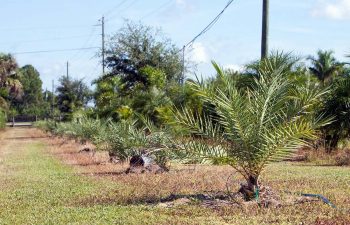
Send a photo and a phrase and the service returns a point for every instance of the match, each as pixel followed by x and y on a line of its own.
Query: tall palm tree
pixel 250 128
pixel 325 66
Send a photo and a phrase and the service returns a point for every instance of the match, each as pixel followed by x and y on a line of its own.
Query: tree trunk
pixel 249 190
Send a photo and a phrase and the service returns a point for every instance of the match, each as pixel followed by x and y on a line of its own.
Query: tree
pixel 252 127
pixel 143 68
pixel 325 66
pixel 136 47
pixel 32 101
pixel 10 86
pixel 337 105
pixel 72 95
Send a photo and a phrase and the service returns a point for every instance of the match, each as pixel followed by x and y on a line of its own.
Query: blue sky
pixel 297 26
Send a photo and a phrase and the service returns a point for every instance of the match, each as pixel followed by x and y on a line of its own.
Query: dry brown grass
pixel 123 189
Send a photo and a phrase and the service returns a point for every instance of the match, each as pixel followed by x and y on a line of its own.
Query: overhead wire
pixel 46 28
pixel 48 39
pixel 208 27
pixel 157 9
pixel 54 50
pixel 114 8
pixel 123 10
pixel 89 41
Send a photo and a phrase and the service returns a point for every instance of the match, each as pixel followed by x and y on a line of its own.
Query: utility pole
pixel 265 29
pixel 52 99
pixel 103 44
pixel 183 65
pixel 67 70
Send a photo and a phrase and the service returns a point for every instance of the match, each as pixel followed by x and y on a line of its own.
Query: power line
pixel 123 10
pixel 114 8
pixel 89 41
pixel 46 27
pixel 49 39
pixel 206 29
pixel 157 9
pixel 56 50
pixel 210 25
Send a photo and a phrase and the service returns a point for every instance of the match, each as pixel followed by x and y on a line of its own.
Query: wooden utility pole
pixel 67 70
pixel 183 65
pixel 103 44
pixel 265 29
pixel 52 98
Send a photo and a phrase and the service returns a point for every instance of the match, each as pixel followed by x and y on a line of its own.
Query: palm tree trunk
pixel 265 29
pixel 249 190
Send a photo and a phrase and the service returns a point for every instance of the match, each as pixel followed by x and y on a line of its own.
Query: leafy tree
pixel 136 48
pixel 325 66
pixel 72 95
pixel 144 67
pixel 49 101
pixel 252 127
pixel 108 97
pixel 10 86
pixel 32 101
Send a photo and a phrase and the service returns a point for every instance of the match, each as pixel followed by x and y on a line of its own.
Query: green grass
pixel 39 190
pixel 36 188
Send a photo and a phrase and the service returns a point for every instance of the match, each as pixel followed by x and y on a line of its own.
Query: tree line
pixel 144 76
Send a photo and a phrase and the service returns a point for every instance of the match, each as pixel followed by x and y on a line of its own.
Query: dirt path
pixel 13 140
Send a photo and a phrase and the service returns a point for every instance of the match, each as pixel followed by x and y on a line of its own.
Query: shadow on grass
pixel 154 200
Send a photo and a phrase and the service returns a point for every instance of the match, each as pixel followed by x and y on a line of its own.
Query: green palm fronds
pixel 251 127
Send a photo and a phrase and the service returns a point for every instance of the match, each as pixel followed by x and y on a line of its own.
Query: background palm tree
pixel 10 86
pixel 325 66
pixel 252 127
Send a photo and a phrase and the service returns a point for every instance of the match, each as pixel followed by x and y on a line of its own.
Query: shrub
pixel 343 158
pixel 2 119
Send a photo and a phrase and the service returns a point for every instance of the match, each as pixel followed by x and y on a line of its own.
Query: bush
pixel 343 158
pixel 123 139
pixel 2 119
pixel 48 126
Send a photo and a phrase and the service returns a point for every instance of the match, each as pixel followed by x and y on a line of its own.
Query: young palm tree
pixel 252 127
pixel 325 66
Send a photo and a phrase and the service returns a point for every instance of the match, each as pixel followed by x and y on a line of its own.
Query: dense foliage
pixel 144 70
pixel 72 96
pixel 123 140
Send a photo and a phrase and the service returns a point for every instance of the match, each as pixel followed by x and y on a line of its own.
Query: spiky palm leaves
pixel 125 139
pixel 250 128
pixel 337 104
pixel 325 66
pixel 122 139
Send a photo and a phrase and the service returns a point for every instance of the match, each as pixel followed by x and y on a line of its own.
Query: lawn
pixel 46 181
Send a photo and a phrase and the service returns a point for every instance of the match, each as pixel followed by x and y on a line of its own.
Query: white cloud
pixel 198 53
pixel 336 9
pixel 234 67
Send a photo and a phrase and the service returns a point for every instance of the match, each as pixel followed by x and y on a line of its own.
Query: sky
pixel 298 26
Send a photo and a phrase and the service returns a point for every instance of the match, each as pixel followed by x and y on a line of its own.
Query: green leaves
pixel 250 127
